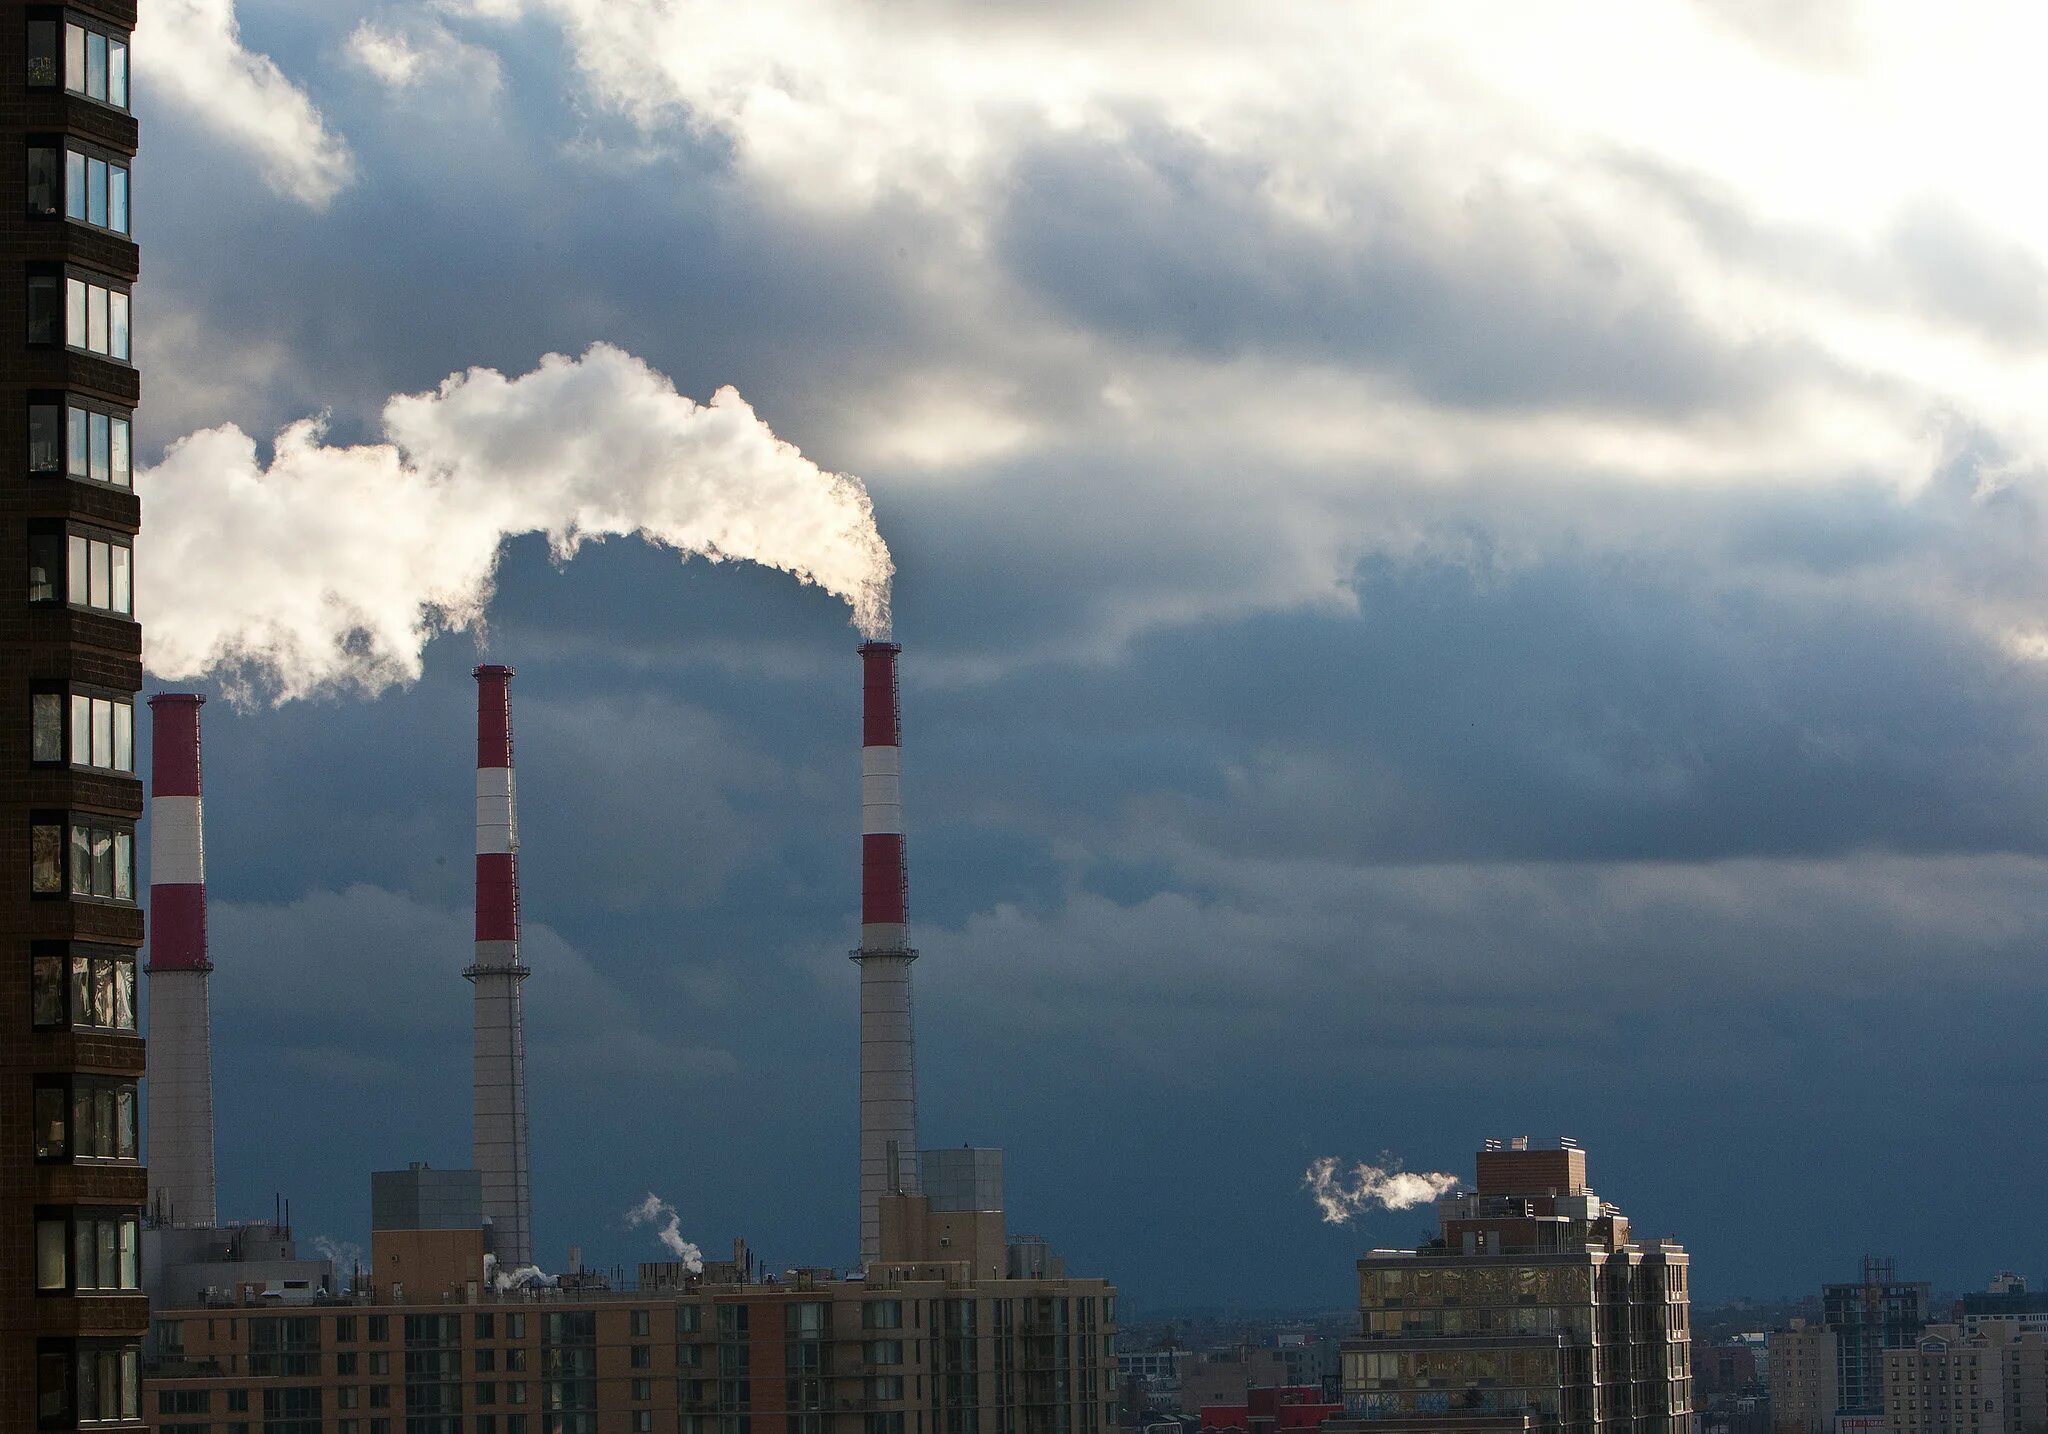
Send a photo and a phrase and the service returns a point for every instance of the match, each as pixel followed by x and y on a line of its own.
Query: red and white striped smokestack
pixel 888 1058
pixel 499 1130
pixel 181 1178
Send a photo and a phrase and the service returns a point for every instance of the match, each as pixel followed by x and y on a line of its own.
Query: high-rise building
pixel 72 1184
pixel 1870 1315
pixel 1532 1307
pixel 1802 1376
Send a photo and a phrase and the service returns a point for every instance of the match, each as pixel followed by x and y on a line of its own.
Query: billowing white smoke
pixel 331 568
pixel 656 1211
pixel 1345 1197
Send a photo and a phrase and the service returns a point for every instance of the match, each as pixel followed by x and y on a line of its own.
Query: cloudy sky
pixel 1465 570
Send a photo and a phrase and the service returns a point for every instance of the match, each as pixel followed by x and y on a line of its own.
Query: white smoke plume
pixel 1341 1197
pixel 345 1255
pixel 329 570
pixel 655 1210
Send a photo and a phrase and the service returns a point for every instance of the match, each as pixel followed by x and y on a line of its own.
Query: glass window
pixel 100 568
pixel 46 858
pixel 46 727
pixel 42 179
pixel 96 192
pixel 78 443
pixel 124 580
pixel 74 185
pixel 98 334
pixel 124 736
pixel 42 309
pixel 118 334
pixel 74 58
pixel 117 198
pixel 45 565
pixel 74 312
pixel 117 73
pixel 99 443
pixel 45 438
pixel 95 65
pixel 51 1273
pixel 47 990
pixel 42 54
pixel 120 465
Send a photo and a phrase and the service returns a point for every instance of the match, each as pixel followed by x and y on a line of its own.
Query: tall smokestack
pixel 499 1132
pixel 180 1038
pixel 888 1074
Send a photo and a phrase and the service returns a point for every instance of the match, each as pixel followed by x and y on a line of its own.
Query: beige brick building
pixel 1803 1379
pixel 966 1334
pixel 1992 1382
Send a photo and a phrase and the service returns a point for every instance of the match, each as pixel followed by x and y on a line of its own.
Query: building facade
pixel 1801 1378
pixel 1532 1306
pixel 1870 1315
pixel 72 1184
pixel 1954 1382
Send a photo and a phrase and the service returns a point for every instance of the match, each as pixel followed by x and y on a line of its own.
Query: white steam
pixel 330 569
pixel 656 1211
pixel 1345 1197
pixel 346 1256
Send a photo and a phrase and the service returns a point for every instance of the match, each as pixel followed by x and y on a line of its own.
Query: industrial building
pixel 949 1326
pixel 1533 1307
pixel 953 1329
pixel 72 1185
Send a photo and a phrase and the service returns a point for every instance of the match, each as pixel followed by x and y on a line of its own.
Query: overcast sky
pixel 1465 570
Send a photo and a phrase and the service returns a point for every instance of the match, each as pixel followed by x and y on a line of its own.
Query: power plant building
pixel 1533 1308
pixel 72 1182
pixel 929 1341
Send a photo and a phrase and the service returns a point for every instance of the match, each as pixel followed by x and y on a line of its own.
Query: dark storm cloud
pixel 1258 808
pixel 1496 299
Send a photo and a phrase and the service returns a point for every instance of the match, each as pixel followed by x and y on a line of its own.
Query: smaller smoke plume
pixel 1344 1197
pixel 345 1255
pixel 656 1211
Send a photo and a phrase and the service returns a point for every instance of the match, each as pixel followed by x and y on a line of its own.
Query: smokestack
pixel 498 1137
pixel 888 1075
pixel 180 1038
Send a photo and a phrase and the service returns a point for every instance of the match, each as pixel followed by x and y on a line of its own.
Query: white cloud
pixel 348 559
pixel 424 52
pixel 190 52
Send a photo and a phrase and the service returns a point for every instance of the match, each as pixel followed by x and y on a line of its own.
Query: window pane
pixel 96 192
pixel 81 990
pixel 100 591
pixel 124 866
pixel 42 309
pixel 117 198
pixel 118 344
pixel 74 58
pixel 125 1100
pixel 78 458
pixel 81 861
pixel 51 1130
pixel 77 588
pixel 42 53
pixel 48 995
pixel 103 993
pixel 124 597
pixel 102 861
pixel 117 73
pixel 120 465
pixel 81 1253
pixel 50 1254
pixel 124 737
pixel 102 732
pixel 99 428
pixel 81 728
pixel 95 64
pixel 107 1269
pixel 46 858
pixel 45 559
pixel 46 727
pixel 42 179
pixel 45 437
pixel 74 184
pixel 124 996
pixel 131 1255
pixel 96 319
pixel 74 312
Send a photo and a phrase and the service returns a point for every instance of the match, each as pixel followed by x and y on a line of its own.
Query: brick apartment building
pixel 72 1187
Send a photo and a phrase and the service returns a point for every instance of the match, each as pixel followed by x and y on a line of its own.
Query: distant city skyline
pixel 1453 583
